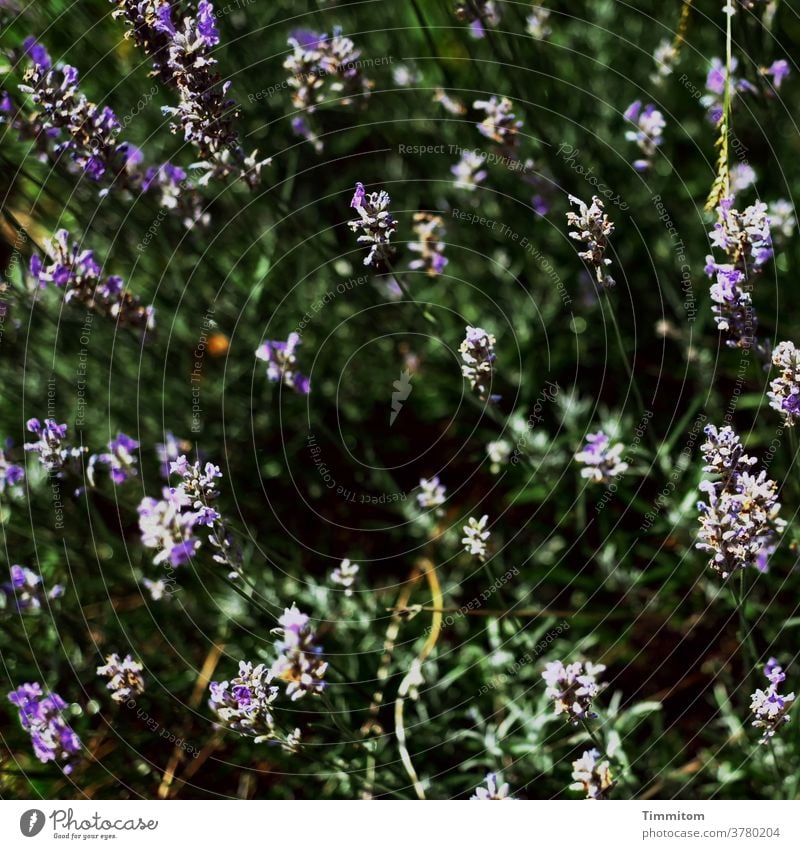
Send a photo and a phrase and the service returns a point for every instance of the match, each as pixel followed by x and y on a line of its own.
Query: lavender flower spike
pixel 300 662
pixel 500 124
pixel 126 677
pixel 572 688
pixel 784 392
pixel 591 775
pixel 592 227
pixel 281 360
pixel 120 458
pixel 244 704
pixel 478 356
pixel 475 537
pixel 491 792
pixel 41 716
pixel 600 459
pixel 648 134
pixel 54 454
pixel 26 591
pixel 739 520
pixel 429 229
pixel 375 223
pixel 11 474
pixel 771 709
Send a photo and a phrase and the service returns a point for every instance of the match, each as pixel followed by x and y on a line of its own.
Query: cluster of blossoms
pixel 40 716
pixel 25 590
pixel 784 393
pixel 741 177
pixel 300 664
pixel 592 227
pixel 600 459
pixel 591 775
pixel 745 239
pixel 181 46
pixel 75 270
pixel 56 456
pixel 125 677
pixel 431 494
pixel 244 704
pixel 537 24
pixel 479 14
pixel 475 536
pixel 429 229
pixel 664 56
pixel 771 709
pixel 169 524
pixel 498 453
pixel 739 521
pixel 281 359
pixel 648 134
pixel 375 223
pixel 317 59
pixel 491 792
pixel 120 459
pixel 469 171
pixel 782 220
pixel 500 124
pixel 572 688
pixel 68 123
pixel 344 575
pixel 715 86
pixel 11 474
pixel 478 356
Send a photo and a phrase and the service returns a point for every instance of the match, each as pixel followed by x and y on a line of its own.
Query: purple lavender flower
pixel 715 85
pixel 600 459
pixel 648 134
pixel 592 227
pixel 300 663
pixel 745 239
pixel 321 67
pixel 478 356
pixel 491 792
pixel 169 450
pixel 75 270
pixel 500 124
pixel 125 677
pixel 168 525
pixel 479 14
pixel 784 394
pixel 739 520
pixel 281 360
pixel 120 459
pixel 429 229
pixel 52 739
pixel 244 704
pixel 771 709
pixel 591 775
pixel 469 171
pixel 53 453
pixel 37 53
pixel 180 46
pixel 778 70
pixel 572 688
pixel 25 590
pixel 375 223
pixel 11 475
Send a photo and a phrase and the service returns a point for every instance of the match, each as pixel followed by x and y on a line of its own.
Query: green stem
pixel 778 776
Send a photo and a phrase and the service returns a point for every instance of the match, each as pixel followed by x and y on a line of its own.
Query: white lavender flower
pixel 572 688
pixel 25 590
pixel 125 677
pixel 375 223
pixel 431 494
pixel 491 792
pixel 498 451
pixel 300 663
pixel 784 394
pixel 742 176
pixel 475 536
pixel 469 171
pixel 592 227
pixel 739 520
pixel 537 24
pixel 782 219
pixel 591 775
pixel 244 703
pixel 478 356
pixel 344 575
pixel 500 124
pixel 648 134
pixel 449 103
pixel 158 589
pixel 601 459
pixel 664 56
pixel 281 359
pixel 54 454
pixel 771 709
